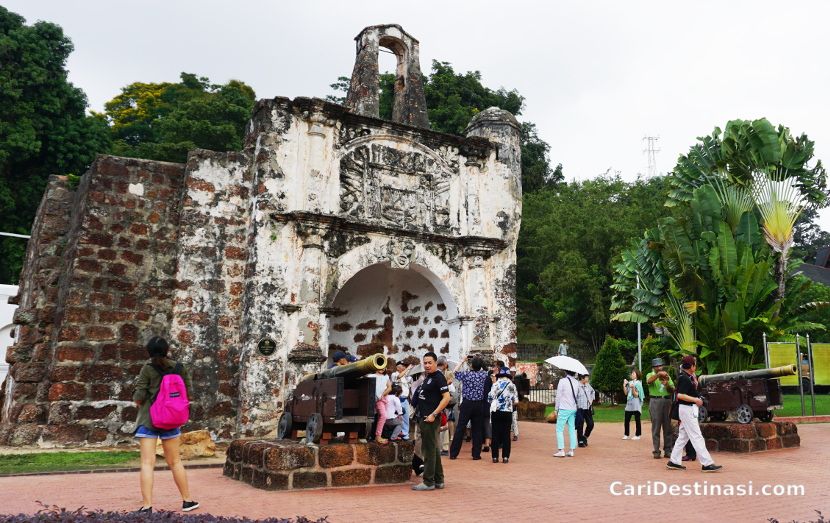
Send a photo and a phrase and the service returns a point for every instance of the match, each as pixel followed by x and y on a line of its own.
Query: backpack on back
pixel 171 408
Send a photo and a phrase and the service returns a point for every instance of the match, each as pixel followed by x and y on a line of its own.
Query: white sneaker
pixel 625 437
pixel 636 437
pixel 560 454
pixel 570 454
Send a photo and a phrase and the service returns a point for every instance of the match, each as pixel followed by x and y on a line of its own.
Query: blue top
pixel 472 384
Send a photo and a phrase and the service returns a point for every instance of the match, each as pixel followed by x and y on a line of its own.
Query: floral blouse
pixel 505 392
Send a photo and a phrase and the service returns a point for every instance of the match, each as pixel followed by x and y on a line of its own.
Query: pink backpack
pixel 171 408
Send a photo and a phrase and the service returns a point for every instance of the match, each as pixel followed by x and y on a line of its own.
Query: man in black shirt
pixel 688 399
pixel 433 397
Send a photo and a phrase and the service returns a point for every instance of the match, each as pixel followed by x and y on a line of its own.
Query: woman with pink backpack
pixel 161 393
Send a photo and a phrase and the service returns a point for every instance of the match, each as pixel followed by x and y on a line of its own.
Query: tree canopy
pixel 163 121
pixel 44 130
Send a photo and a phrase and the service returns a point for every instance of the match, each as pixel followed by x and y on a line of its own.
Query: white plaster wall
pixel 6 325
pixel 417 326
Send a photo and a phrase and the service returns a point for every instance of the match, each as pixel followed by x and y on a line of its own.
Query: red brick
pixel 106 254
pixel 234 253
pixel 116 269
pixel 132 257
pixel 128 332
pixel 63 373
pixel 90 412
pixel 100 392
pixel 109 316
pixel 139 229
pixel 78 314
pixel 351 477
pixel 200 185
pixel 69 333
pixel 128 302
pixel 97 435
pixel 101 373
pixel 100 298
pixel 67 391
pixel 186 336
pixel 303 480
pixel 98 333
pixel 336 455
pixel 153 218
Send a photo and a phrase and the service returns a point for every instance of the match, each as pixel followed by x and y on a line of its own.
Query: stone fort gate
pixel 331 228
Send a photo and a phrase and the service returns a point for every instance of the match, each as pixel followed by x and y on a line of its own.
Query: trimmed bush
pixel 610 368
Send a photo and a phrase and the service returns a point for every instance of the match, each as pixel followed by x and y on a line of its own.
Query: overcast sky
pixel 597 76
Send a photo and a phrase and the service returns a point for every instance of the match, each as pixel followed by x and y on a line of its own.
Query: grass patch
pixel 792 407
pixel 65 461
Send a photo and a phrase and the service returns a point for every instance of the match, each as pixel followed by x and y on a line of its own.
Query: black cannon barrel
pixel 367 365
pixel 776 372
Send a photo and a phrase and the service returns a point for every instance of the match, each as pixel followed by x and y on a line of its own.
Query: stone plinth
pixel 531 411
pixel 750 437
pixel 287 465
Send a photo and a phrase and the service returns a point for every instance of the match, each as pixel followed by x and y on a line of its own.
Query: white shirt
pixel 393 406
pixel 565 398
pixel 380 385
pixel 403 382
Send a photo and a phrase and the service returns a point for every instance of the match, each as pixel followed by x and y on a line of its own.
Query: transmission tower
pixel 651 150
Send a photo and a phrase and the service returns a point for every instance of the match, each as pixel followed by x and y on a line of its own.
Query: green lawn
pixel 792 407
pixel 61 461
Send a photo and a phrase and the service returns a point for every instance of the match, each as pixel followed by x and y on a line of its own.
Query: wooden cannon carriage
pixel 747 394
pixel 339 399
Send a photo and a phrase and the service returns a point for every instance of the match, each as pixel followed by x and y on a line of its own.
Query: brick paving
pixel 533 487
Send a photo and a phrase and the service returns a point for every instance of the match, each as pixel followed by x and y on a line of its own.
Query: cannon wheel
pixel 702 414
pixel 285 425
pixel 314 428
pixel 745 414
pixel 766 416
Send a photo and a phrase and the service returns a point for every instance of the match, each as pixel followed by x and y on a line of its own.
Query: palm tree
pixel 780 202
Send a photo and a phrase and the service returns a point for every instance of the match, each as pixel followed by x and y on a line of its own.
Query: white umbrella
pixel 567 363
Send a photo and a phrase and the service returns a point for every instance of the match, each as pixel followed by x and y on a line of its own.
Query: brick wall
pixel 109 266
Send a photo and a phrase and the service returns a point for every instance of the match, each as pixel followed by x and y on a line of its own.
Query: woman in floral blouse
pixel 503 397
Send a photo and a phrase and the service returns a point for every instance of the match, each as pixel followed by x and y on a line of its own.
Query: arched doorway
pixel 409 311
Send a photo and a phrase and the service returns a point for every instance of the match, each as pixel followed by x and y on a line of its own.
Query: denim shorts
pixel 145 432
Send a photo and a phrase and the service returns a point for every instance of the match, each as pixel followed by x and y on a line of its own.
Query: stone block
pixel 393 474
pixel 235 450
pixel 531 410
pixel 774 443
pixel 303 480
pixel 336 455
pixel 374 454
pixel 258 478
pixel 67 391
pixel 289 457
pixel 351 477
pixel 193 444
pixel 790 440
pixel 98 435
pixel 712 444
pixel 228 469
pixel 254 453
pixel 766 430
pixel 246 474
pixel 31 413
pixel 405 451
pixel 94 413
pixel 734 445
pixel 757 445
pixel 276 481
pixel 24 434
pixel 65 434
pixel 786 427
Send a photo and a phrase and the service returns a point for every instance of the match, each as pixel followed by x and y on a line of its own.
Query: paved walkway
pixel 533 487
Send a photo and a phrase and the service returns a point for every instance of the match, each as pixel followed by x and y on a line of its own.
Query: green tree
pixel 571 237
pixel 44 129
pixel 163 121
pixel 609 369
pixel 708 272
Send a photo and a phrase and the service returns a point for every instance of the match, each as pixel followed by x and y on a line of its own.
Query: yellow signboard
pixel 821 363
pixel 784 354
pixel 781 354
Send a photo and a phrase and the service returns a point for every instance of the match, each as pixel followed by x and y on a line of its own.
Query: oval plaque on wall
pixel 266 346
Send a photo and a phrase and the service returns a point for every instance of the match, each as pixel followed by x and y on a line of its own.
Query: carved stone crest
pixel 401 253
pixel 396 187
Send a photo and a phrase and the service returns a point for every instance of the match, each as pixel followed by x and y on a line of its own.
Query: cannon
pixel 339 399
pixel 749 394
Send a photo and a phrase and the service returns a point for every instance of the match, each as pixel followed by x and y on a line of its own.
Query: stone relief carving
pixel 402 188
pixel 401 253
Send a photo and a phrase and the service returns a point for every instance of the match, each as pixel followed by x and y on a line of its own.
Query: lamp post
pixel 639 339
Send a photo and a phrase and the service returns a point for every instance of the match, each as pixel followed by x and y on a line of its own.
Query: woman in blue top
pixel 634 402
pixel 503 397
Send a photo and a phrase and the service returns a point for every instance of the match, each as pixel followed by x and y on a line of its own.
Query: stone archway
pixel 402 309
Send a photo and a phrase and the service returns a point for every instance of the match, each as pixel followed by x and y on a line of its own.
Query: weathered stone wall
pixel 750 437
pixel 286 465
pixel 112 289
pixel 210 282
